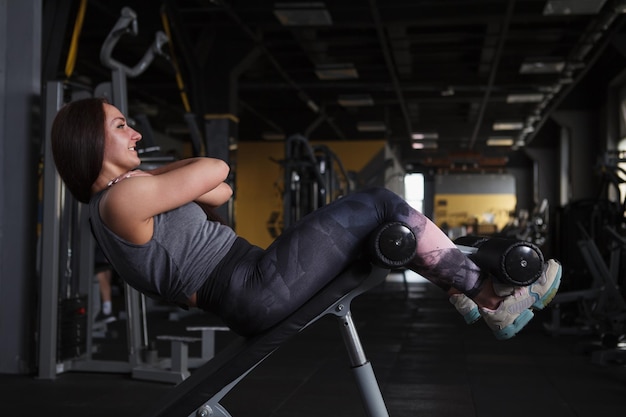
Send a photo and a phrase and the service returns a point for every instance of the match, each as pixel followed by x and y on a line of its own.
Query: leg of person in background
pixel 105 315
pixel 106 310
pixel 104 274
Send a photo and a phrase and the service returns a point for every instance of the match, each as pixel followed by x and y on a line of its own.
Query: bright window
pixel 414 190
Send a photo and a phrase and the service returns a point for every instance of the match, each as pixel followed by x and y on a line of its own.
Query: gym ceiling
pixel 438 79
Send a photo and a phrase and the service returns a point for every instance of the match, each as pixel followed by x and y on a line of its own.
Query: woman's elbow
pixel 222 167
pixel 227 191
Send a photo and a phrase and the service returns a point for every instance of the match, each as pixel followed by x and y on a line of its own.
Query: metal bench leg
pixel 371 396
pixel 180 357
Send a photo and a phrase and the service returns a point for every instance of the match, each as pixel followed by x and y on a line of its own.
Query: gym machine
pixel 601 308
pixel 66 330
pixel 595 304
pixel 533 228
pixel 313 177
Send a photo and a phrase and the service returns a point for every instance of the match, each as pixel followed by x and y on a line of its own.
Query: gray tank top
pixel 184 249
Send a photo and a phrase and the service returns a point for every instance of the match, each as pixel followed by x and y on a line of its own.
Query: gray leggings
pixel 252 288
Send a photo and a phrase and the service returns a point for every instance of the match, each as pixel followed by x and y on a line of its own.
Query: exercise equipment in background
pixel 313 177
pixel 600 309
pixel 533 228
pixel 592 300
pixel 68 293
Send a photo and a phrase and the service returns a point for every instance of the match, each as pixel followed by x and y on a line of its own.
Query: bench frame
pixel 201 393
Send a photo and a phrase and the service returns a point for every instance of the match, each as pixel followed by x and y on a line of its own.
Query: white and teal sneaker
pixel 515 311
pixel 466 307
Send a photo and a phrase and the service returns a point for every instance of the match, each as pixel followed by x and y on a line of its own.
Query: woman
pixel 152 227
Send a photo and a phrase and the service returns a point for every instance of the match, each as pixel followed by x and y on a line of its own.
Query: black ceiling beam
pixel 183 47
pixel 493 71
pixel 55 15
pixel 391 67
pixel 593 43
pixel 258 41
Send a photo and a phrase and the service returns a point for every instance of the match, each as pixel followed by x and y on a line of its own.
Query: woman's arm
pixel 174 165
pixel 138 196
pixel 213 198
pixel 217 196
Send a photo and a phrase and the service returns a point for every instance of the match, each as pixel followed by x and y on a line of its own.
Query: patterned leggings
pixel 252 288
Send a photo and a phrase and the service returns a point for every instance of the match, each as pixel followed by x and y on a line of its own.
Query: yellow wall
pixel 354 155
pixel 459 209
pixel 258 189
pixel 259 182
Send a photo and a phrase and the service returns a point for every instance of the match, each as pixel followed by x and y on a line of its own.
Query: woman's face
pixel 120 140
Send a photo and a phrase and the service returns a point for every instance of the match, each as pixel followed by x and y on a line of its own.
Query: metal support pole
pixel 20 89
pixel 120 94
pixel 50 243
pixel 135 327
pixel 371 396
pixel 352 341
pixel 180 356
pixel 86 274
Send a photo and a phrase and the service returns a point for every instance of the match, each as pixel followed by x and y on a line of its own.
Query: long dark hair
pixel 78 144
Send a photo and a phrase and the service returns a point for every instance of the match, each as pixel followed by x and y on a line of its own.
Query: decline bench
pixel 392 246
pixel 200 394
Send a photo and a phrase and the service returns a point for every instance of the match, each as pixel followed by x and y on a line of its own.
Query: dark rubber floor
pixel 427 360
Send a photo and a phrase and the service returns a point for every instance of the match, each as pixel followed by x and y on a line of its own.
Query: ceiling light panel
pixel 371 127
pixel 500 141
pixel 542 66
pixel 507 125
pixel 424 145
pixel 424 135
pixel 336 72
pixel 355 100
pixel 302 14
pixel 570 7
pixel 524 98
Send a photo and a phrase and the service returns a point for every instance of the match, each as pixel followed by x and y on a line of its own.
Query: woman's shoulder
pixel 122 213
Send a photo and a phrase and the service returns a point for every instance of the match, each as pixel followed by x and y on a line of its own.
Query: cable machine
pixel 67 244
pixel 313 176
pixel 595 304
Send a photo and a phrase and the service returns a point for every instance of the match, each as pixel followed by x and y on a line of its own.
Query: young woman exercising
pixel 152 227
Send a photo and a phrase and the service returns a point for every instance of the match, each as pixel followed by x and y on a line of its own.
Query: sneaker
pixel 102 318
pixel 503 290
pixel 515 311
pixel 466 307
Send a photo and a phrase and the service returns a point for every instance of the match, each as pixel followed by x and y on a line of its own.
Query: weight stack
pixel 72 328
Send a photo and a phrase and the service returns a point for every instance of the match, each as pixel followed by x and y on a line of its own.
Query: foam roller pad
pixel 510 261
pixel 393 245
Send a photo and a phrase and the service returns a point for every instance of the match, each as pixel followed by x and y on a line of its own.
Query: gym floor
pixel 427 360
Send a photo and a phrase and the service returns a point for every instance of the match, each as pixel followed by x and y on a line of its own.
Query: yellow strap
pixel 78 25
pixel 179 78
pixel 221 116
